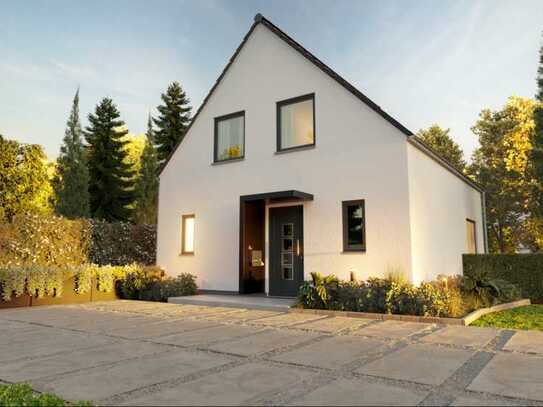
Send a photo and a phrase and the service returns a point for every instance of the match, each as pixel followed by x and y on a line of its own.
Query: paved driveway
pixel 137 353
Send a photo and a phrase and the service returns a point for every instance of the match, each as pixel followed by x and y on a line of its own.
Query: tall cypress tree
pixel 147 181
pixel 71 182
pixel 111 185
pixel 537 151
pixel 172 121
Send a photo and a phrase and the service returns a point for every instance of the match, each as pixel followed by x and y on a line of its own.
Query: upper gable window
pixel 229 137
pixel 296 122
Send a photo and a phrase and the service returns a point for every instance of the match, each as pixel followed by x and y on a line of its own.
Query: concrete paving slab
pixel 47 315
pixel 159 328
pixel 262 342
pixel 425 364
pixel 462 336
pixel 468 401
pixel 331 353
pixel 108 322
pixel 284 320
pixel 42 344
pixel 106 381
pixel 526 341
pixel 513 375
pixel 237 301
pixel 25 370
pixel 358 392
pixel 241 316
pixel 232 387
pixel 334 324
pixel 202 337
pixel 392 329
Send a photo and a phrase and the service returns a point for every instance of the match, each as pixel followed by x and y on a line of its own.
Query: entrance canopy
pixel 278 196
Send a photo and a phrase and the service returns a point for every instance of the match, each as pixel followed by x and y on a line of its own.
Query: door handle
pixel 297 247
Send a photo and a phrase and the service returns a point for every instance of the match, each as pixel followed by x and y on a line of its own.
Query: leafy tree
pixel 134 149
pixel 172 121
pixel 147 183
pixel 539 95
pixel 503 166
pixel 71 183
pixel 111 184
pixel 441 142
pixel 24 179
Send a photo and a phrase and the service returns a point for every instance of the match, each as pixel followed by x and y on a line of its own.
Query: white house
pixel 288 169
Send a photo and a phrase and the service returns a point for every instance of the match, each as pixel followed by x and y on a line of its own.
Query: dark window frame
pixel 183 234
pixel 219 119
pixel 474 223
pixel 345 223
pixel 291 101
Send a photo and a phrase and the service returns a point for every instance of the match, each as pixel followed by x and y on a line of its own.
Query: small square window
pixel 354 226
pixel 229 137
pixel 187 234
pixel 296 123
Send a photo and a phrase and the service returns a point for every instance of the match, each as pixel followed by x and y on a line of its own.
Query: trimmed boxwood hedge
pixel 523 270
pixel 60 242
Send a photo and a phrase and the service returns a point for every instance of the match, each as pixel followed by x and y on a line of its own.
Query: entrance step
pixel 237 301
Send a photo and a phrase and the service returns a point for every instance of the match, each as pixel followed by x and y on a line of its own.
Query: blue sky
pixel 423 62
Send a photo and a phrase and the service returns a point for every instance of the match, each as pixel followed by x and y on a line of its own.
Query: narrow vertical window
pixel 229 137
pixel 296 122
pixel 354 226
pixel 471 236
pixel 187 234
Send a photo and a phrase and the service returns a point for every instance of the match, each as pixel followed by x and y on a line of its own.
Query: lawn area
pixel 15 395
pixel 528 317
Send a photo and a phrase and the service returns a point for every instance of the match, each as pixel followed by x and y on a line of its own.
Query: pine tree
pixel 147 181
pixel 111 185
pixel 71 183
pixel 539 95
pixel 172 121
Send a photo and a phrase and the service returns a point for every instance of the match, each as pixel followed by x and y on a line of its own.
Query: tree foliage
pixel 71 183
pixel 440 141
pixel 147 182
pixel 24 179
pixel 537 152
pixel 172 121
pixel 111 184
pixel 539 95
pixel 503 166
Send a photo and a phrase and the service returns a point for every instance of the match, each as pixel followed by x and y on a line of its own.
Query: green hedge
pixel 523 270
pixel 59 242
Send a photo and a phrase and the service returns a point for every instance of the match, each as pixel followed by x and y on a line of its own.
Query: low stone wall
pixel 69 296
pixel 468 319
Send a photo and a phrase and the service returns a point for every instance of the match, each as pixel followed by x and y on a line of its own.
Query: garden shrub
pixel 441 298
pixel 523 270
pixel 138 279
pixel 184 284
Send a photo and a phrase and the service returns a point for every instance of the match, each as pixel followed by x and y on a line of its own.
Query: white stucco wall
pixel 439 204
pixel 358 155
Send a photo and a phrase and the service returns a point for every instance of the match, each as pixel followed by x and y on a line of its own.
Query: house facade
pixel 287 169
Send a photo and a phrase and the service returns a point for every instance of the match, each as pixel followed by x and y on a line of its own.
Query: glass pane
pixel 287 273
pixel 297 124
pixel 287 259
pixel 287 245
pixel 472 244
pixel 230 138
pixel 188 230
pixel 288 229
pixel 355 224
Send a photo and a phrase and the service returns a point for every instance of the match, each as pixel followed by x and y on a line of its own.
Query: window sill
pixel 231 160
pixel 186 254
pixel 353 251
pixel 293 149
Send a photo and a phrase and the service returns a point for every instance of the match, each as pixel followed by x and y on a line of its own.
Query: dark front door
pixel 286 250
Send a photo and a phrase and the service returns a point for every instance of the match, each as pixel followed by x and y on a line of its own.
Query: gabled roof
pixel 260 19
